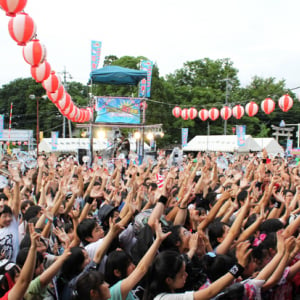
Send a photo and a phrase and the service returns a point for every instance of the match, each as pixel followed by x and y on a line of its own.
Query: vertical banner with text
pixel 289 147
pixel 54 140
pixel 184 136
pixel 95 54
pixel 241 135
pixel 1 125
pixel 145 84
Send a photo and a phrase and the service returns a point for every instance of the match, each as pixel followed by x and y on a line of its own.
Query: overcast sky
pixel 261 37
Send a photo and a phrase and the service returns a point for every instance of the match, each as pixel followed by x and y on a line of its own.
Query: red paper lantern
pixel 64 102
pixel 22 28
pixel 41 72
pixel 176 111
pixel 285 103
pixel 57 95
pixel 225 113
pixel 13 143
pixel 25 143
pixel 75 114
pixel 7 143
pixel 34 53
pixel 12 7
pixel 268 105
pixel 19 143
pixel 68 109
pixel 91 113
pixel 213 113
pixel 251 109
pixel 185 114
pixel 238 111
pixel 203 114
pixel 52 83
pixel 192 113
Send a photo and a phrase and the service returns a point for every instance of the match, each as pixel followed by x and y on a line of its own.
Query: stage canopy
pixel 117 75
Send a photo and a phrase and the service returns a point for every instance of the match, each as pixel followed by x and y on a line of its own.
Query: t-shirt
pixel 180 296
pixel 35 290
pixel 115 292
pixel 5 297
pixel 9 240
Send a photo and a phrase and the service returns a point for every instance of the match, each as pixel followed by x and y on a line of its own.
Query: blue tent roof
pixel 117 75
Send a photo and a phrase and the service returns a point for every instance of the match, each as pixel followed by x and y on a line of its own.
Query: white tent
pixel 271 145
pixel 222 143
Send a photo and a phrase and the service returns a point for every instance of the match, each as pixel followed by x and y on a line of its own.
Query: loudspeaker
pixel 81 153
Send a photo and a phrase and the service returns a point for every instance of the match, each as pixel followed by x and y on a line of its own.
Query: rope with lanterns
pixel 285 103
pixel 22 29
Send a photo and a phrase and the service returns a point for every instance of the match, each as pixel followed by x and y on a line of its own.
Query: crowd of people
pixel 159 231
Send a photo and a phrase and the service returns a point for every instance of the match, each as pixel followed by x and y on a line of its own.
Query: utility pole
pixel 228 87
pixel 65 74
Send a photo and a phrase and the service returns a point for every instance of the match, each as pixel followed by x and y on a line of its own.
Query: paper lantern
pixel 41 72
pixel 225 112
pixel 192 113
pixel 63 103
pixel 91 113
pixel 176 111
pixel 213 113
pixel 285 103
pixel 34 52
pixel 22 28
pixel 267 105
pixel 68 108
pixel 19 143
pixel 13 143
pixel 12 7
pixel 57 95
pixel 52 83
pixel 251 109
pixel 238 111
pixel 185 114
pixel 203 114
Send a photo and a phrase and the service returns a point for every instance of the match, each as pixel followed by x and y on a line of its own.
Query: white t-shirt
pixel 9 240
pixel 175 296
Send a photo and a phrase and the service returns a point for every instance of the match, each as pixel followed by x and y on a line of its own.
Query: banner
pixel 145 84
pixel 184 136
pixel 1 125
pixel 118 110
pixel 241 135
pixel 289 147
pixel 95 54
pixel 54 140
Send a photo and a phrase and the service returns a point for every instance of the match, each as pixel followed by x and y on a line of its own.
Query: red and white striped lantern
pixel 25 143
pixel 41 72
pixel 192 113
pixel 185 114
pixel 19 143
pixel 22 28
pixel 64 102
pixel 176 111
pixel 267 105
pixel 203 114
pixel 68 109
pixel 91 113
pixel 75 114
pixel 12 7
pixel 238 111
pixel 251 109
pixel 285 103
pixel 52 83
pixel 34 53
pixel 225 112
pixel 57 95
pixel 13 143
pixel 213 113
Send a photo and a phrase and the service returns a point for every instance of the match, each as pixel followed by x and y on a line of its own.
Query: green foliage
pixel 202 83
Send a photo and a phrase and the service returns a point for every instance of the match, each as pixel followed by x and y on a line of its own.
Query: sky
pixel 260 37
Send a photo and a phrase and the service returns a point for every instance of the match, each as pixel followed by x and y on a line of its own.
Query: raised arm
pixel 26 274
